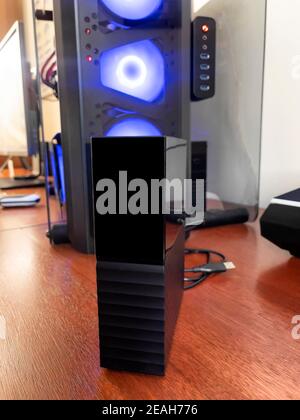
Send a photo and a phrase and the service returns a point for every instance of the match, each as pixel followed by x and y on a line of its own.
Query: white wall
pixel 198 4
pixel 280 167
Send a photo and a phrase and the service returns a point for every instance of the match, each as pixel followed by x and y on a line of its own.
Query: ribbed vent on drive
pixel 132 319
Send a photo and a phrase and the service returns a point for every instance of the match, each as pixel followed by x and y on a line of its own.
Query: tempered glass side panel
pixel 231 121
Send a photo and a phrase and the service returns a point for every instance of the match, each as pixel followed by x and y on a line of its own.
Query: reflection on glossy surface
pixel 231 121
pixel 176 169
pixel 173 230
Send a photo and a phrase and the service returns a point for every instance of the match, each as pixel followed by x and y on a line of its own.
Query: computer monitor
pixel 18 109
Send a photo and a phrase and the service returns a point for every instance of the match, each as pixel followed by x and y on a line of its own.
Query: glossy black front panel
pixel 136 239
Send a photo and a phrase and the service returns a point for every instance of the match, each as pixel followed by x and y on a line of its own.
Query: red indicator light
pixel 88 31
pixel 89 58
pixel 205 28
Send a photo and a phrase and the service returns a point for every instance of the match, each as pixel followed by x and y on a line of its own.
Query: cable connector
pixel 206 270
pixel 213 268
pixel 230 266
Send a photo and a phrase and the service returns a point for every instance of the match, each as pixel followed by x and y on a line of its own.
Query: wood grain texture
pixel 21 218
pixel 233 339
pixel 11 219
pixel 10 11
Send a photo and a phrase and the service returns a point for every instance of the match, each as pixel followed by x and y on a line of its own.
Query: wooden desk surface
pixel 20 218
pixel 233 339
pixel 11 219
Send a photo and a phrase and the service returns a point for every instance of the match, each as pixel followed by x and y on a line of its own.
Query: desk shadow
pixel 116 385
pixel 280 285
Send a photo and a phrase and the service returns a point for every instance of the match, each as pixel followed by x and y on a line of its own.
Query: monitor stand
pixel 14 183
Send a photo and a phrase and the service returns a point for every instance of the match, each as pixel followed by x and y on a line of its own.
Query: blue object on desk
pixel 20 201
pixel 57 165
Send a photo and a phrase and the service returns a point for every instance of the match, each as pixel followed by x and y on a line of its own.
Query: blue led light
pixel 133 9
pixel 136 69
pixel 134 127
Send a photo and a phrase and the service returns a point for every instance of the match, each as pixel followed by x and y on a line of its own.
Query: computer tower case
pixel 117 68
pixel 140 256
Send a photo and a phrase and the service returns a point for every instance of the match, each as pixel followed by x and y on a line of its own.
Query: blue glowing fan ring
pixel 136 69
pixel 133 127
pixel 133 9
pixel 126 80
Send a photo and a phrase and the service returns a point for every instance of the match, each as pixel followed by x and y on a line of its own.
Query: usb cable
pixel 206 270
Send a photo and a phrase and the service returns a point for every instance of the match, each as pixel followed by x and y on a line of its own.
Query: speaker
pixel 280 224
pixel 140 255
pixel 124 70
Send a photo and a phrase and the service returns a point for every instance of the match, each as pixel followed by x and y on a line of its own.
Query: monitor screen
pixel 16 116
